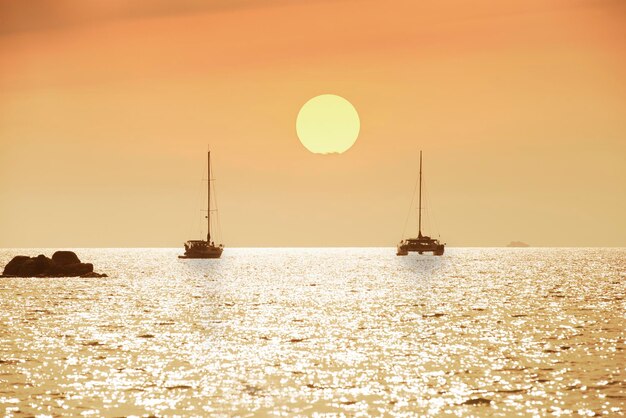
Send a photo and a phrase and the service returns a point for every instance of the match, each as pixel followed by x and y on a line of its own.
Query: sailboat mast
pixel 420 200
pixel 208 205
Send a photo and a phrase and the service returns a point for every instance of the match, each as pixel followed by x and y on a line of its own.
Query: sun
pixel 328 124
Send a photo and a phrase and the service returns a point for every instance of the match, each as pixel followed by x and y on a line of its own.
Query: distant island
pixel 517 244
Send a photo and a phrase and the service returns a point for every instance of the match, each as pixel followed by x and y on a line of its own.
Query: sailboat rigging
pixel 422 243
pixel 201 248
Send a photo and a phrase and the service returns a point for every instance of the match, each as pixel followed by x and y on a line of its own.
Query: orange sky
pixel 106 109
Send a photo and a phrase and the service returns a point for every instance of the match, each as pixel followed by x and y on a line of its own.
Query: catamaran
pixel 200 248
pixel 423 243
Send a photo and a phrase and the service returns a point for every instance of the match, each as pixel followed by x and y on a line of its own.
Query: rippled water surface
pixel 336 332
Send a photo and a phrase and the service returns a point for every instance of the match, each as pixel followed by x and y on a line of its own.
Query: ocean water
pixel 328 332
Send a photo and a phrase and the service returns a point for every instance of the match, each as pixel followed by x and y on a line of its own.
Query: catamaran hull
pixel 437 249
pixel 211 252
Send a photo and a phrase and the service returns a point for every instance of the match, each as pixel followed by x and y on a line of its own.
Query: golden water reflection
pixel 296 331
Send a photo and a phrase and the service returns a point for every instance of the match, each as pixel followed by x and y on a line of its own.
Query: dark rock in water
pixel 65 257
pixel 477 401
pixel 13 267
pixel 78 269
pixel 92 275
pixel 62 264
pixel 26 268
pixel 35 266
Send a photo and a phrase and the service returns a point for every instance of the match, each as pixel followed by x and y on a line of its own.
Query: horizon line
pixel 316 247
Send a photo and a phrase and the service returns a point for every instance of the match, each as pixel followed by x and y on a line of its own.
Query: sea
pixel 328 332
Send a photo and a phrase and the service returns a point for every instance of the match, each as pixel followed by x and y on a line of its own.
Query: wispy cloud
pixel 37 15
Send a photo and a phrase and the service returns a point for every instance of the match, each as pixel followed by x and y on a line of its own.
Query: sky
pixel 107 109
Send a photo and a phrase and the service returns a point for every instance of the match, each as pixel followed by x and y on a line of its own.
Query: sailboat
pixel 200 248
pixel 423 243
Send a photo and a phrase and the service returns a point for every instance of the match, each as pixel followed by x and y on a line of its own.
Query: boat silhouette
pixel 423 243
pixel 201 248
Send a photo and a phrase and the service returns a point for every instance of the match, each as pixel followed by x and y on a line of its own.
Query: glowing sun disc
pixel 328 124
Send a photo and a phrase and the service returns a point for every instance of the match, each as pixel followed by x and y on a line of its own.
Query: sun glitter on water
pixel 328 124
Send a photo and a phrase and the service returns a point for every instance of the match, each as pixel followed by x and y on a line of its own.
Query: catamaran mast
pixel 420 200
pixel 208 205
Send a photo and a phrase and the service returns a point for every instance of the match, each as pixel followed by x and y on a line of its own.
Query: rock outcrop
pixel 64 258
pixel 62 264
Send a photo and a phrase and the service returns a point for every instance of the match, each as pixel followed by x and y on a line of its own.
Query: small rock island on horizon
pixel 517 244
pixel 62 264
